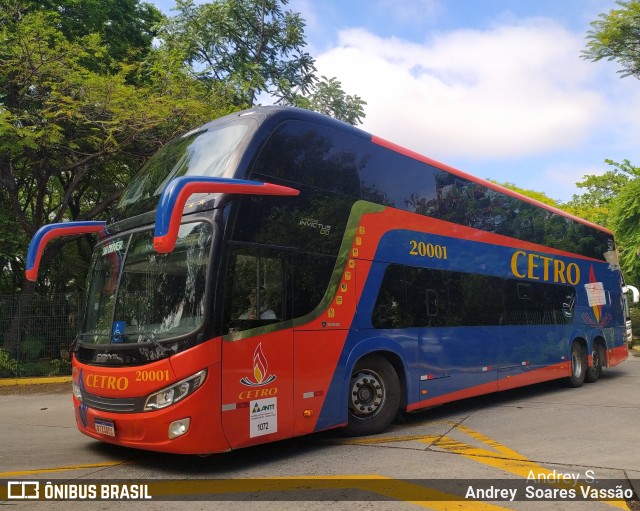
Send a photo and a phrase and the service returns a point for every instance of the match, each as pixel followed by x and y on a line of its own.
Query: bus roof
pixel 276 114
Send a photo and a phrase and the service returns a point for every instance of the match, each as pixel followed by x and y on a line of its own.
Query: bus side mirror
pixel 175 195
pixel 634 292
pixel 46 233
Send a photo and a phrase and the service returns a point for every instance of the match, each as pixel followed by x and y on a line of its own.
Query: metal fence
pixel 36 333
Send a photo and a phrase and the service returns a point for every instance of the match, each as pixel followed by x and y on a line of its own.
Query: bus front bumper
pixel 190 426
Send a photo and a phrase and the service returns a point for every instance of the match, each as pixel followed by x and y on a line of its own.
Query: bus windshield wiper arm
pixel 147 337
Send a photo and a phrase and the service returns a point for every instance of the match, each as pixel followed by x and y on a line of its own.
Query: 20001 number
pixel 422 249
pixel 160 375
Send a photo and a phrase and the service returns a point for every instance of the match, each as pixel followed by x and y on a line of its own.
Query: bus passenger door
pixel 257 384
pixel 257 354
pixel 319 342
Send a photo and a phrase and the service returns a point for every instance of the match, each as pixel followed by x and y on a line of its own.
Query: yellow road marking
pixel 494 454
pixel 62 469
pixel 399 490
pixel 389 439
pixel 6 382
pixel 510 461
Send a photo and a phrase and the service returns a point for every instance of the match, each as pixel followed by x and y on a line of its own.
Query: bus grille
pixel 117 405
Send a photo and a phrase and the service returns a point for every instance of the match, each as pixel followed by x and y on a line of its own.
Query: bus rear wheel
pixel 597 360
pixel 374 396
pixel 578 365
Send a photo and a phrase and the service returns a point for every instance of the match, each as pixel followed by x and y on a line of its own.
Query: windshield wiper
pixel 165 350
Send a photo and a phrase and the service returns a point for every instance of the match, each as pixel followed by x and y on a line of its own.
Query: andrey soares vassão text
pixel 568 486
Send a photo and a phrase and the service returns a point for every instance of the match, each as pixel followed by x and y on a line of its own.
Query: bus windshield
pixel 205 152
pixel 137 295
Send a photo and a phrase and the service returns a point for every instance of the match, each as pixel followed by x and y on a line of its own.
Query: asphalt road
pixel 437 459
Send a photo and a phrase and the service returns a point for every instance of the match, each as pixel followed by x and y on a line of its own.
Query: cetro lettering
pixel 98 381
pixel 254 394
pixel 525 265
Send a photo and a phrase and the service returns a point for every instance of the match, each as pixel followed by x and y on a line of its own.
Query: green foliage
pixel 327 97
pixel 8 366
pixel 253 46
pixel 247 48
pixel 31 348
pixel 625 222
pixel 616 36
pixel 611 200
pixel 75 124
pixel 126 26
pixel 601 192
pixel 635 323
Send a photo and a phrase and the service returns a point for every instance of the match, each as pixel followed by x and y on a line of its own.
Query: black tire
pixel 598 356
pixel 374 396
pixel 578 365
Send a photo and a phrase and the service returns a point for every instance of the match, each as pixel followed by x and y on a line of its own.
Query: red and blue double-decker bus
pixel 276 272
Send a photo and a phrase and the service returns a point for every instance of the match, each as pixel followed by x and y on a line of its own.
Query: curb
pixel 6 382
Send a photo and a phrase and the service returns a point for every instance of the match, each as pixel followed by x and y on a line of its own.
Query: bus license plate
pixel 105 427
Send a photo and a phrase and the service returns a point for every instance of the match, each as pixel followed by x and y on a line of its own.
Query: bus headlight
pixel 76 390
pixel 174 393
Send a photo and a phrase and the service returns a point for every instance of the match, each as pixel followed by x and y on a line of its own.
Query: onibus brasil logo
pixel 260 370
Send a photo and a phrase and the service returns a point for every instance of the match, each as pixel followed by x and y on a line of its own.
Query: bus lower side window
pixel 255 293
pixel 533 303
pixel 269 286
pixel 425 297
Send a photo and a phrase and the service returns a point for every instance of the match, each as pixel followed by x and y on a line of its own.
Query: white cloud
pixel 509 91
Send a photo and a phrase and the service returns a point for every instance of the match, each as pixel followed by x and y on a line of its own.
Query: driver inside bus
pixel 252 310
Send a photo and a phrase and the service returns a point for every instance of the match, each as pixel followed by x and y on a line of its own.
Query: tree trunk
pixel 11 340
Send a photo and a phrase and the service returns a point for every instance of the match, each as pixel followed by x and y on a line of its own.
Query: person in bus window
pixel 252 310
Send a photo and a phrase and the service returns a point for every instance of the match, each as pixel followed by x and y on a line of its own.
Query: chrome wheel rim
pixel 368 395
pixel 576 362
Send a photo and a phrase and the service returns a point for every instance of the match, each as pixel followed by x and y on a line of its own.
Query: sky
pixel 496 88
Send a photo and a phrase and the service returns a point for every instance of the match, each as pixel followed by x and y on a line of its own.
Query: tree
pixel 327 97
pixel 613 197
pixel 601 192
pixel 127 27
pixel 611 200
pixel 253 45
pixel 255 48
pixel 624 221
pixel 616 36
pixel 74 130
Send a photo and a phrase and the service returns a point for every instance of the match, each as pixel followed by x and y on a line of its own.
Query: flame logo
pixel 597 309
pixel 600 319
pixel 260 364
pixel 260 370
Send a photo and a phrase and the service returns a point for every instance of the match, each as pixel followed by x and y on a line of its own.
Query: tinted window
pixel 313 222
pixel 467 203
pixel 424 297
pixel 394 180
pixel 340 161
pixel 532 303
pixel 314 155
pixel 266 286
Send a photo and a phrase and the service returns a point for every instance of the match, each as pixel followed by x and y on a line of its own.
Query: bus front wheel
pixel 374 396
pixel 578 365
